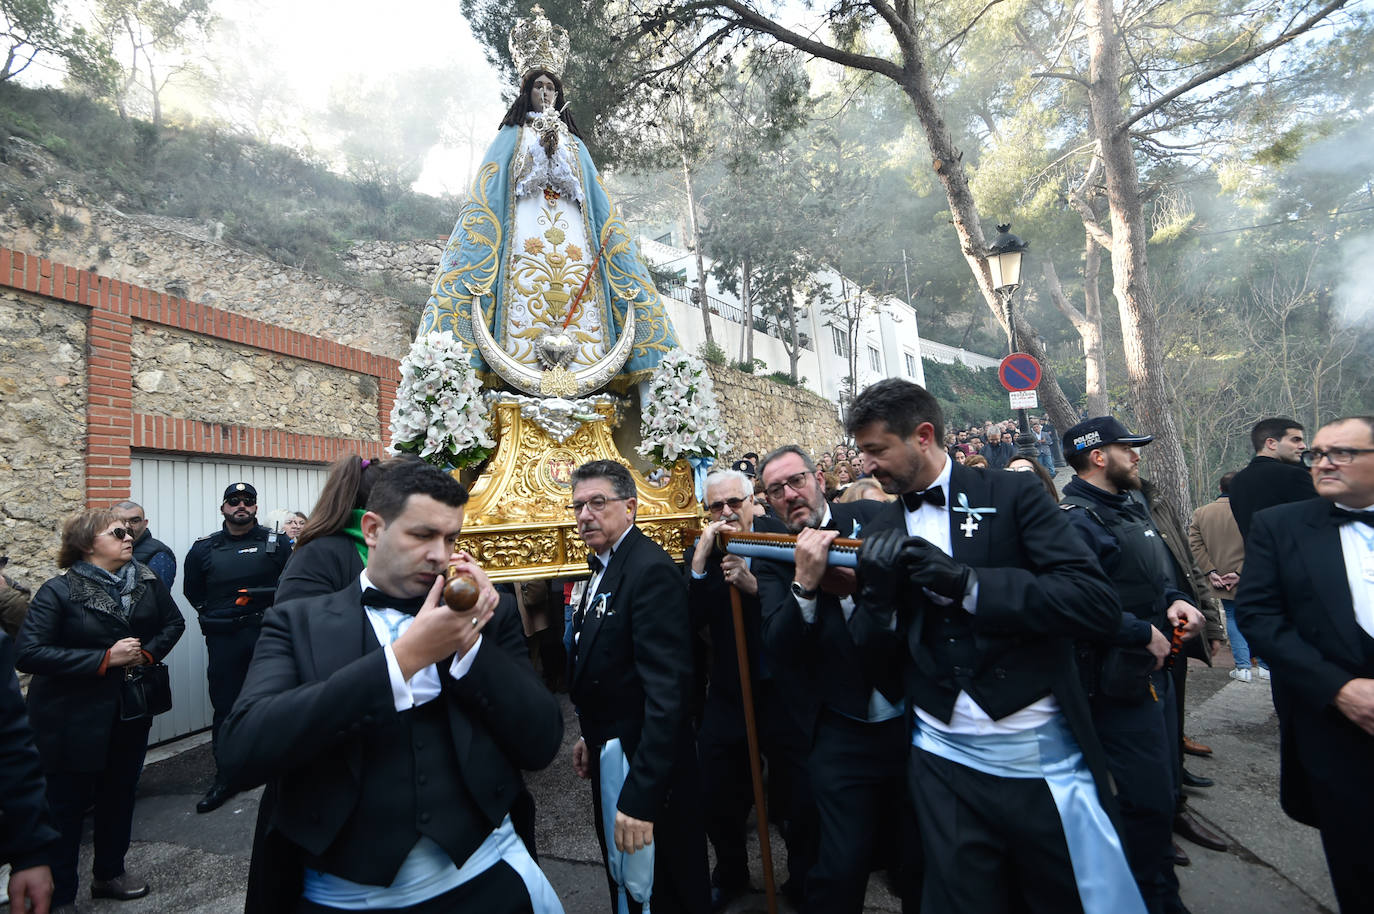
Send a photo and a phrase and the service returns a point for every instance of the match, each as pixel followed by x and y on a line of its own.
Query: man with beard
pixel 1275 475
pixel 231 577
pixel 1132 695
pixel 630 675
pixel 974 588
pixel 854 731
pixel 727 786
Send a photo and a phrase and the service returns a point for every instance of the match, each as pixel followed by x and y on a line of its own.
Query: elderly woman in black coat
pixel 106 615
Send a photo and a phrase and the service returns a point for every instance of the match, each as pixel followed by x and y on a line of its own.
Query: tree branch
pixel 1071 77
pixel 1079 201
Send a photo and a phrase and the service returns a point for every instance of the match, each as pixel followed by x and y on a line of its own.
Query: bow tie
pixel 594 563
pixel 912 501
pixel 1341 515
pixel 377 600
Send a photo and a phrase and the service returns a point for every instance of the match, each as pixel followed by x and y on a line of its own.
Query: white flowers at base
pixel 439 413
pixel 680 418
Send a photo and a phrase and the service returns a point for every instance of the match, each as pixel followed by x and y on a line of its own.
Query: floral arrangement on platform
pixel 440 414
pixel 680 418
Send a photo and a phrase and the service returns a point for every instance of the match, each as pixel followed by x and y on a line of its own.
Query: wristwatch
pixel 801 593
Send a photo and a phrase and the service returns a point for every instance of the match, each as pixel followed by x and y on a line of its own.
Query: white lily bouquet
pixel 440 414
pixel 680 418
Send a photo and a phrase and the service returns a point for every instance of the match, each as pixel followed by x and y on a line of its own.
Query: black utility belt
pixel 222 624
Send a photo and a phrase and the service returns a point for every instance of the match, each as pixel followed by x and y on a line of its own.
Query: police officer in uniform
pixel 231 577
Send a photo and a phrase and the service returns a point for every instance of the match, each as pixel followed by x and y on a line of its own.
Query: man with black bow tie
pixel 395 729
pixel 1306 604
pixel 975 587
pixel 855 735
pixel 630 676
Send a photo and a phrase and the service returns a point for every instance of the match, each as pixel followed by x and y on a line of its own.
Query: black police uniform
pixel 219 568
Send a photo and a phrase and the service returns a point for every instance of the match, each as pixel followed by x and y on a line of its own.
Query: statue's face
pixel 543 92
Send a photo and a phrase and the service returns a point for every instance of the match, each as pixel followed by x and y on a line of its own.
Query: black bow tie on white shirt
pixel 377 600
pixel 594 563
pixel 935 495
pixel 1341 515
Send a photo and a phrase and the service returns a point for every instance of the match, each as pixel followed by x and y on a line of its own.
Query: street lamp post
pixel 1004 264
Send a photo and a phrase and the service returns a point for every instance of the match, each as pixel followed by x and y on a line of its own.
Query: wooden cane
pixel 752 734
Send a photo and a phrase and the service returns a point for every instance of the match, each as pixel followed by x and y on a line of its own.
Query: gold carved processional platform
pixel 517 524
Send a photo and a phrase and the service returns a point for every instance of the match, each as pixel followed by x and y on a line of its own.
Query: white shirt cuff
pixel 400 689
pixel 808 609
pixel 460 665
pixel 697 576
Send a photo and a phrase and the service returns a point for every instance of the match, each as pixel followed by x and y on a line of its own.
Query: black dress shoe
pixel 123 887
pixel 1192 780
pixel 214 798
pixel 1186 826
pixel 1180 857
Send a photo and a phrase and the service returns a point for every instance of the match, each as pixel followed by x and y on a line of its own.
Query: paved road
pixel 199 863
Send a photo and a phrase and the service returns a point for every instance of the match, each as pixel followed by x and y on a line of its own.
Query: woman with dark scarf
pixel 106 615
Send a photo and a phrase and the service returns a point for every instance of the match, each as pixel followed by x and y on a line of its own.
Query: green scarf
pixel 354 531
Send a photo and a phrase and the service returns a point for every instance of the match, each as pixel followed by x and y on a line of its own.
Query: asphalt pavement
pixel 198 863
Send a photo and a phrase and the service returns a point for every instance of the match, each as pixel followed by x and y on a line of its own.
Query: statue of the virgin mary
pixel 541 279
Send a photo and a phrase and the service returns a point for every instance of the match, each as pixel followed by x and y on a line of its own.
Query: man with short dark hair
pixel 1275 475
pixel 973 585
pixel 630 677
pixel 154 553
pixel 231 580
pixel 394 729
pixel 1306 603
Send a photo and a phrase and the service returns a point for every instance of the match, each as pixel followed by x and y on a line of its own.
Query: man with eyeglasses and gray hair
pixel 1306 604
pixel 630 678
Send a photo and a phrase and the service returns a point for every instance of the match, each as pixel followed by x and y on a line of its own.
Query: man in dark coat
pixel 975 588
pixel 394 729
pixel 1306 604
pixel 27 837
pixel 630 675
pixel 152 552
pixel 1275 475
pixel 855 734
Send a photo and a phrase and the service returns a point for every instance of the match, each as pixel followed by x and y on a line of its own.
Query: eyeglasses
pixel 234 501
pixel 734 504
pixel 118 533
pixel 1339 456
pixel 794 482
pixel 597 503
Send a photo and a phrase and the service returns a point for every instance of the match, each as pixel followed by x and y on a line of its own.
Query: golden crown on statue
pixel 538 44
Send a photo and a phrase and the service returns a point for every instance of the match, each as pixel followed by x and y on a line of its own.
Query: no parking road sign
pixel 1019 371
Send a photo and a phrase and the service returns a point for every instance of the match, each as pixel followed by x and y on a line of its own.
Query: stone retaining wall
pixel 760 414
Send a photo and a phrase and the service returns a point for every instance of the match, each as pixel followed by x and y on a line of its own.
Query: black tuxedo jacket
pixel 27 837
pixel 630 669
pixel 1264 483
pixel 317 689
pixel 1294 607
pixel 1039 589
pixel 817 665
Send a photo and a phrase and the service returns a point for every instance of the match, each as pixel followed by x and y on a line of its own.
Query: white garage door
pixel 181 496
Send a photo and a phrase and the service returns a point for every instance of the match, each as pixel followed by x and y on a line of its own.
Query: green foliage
pixel 784 378
pixel 750 366
pixel 967 396
pixel 712 353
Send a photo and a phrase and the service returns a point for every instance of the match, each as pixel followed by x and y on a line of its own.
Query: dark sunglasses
pixel 118 533
pixel 235 500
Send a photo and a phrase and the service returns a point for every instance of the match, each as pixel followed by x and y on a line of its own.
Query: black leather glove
pixel 882 573
pixel 929 567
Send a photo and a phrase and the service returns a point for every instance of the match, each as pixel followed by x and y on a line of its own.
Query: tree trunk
pixel 794 348
pixel 746 287
pixel 1130 267
pixel 1087 322
pixel 696 247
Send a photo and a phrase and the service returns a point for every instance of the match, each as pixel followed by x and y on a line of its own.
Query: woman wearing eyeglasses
pixel 85 628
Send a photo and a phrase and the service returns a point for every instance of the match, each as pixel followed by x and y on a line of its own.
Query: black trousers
pixel 728 789
pixel 991 844
pixel 112 790
pixel 228 656
pixel 856 773
pixel 499 890
pixel 1338 757
pixel 681 881
pixel 1138 739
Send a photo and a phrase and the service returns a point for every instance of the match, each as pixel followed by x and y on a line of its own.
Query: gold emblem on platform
pixel 558 468
pixel 558 382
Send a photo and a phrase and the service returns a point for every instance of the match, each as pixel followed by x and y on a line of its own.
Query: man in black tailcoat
pixel 630 675
pixel 855 734
pixel 394 729
pixel 1306 604
pixel 975 586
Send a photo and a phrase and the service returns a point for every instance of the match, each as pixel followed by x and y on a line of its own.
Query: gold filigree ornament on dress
pixel 538 44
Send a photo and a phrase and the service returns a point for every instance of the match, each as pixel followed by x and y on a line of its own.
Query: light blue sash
pixel 1105 883
pixel 428 873
pixel 633 872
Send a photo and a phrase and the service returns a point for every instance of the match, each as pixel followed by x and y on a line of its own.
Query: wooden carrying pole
pixel 751 732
